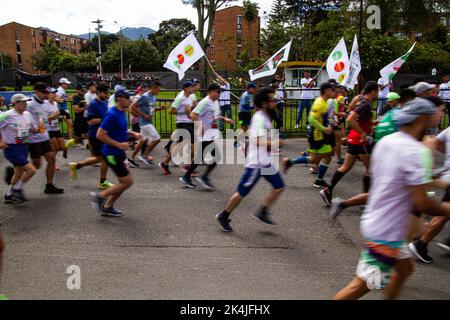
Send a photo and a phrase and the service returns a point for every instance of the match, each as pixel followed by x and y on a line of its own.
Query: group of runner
pixel 395 184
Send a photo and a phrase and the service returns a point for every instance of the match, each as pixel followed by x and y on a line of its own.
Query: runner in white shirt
pixel 444 91
pixel 383 91
pixel 91 95
pixel 401 168
pixel 306 98
pixel 258 163
pixel 208 113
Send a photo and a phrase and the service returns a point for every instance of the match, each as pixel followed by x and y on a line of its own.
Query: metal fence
pixel 165 122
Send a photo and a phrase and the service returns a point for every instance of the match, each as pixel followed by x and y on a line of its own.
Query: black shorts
pixel 95 146
pixel 64 113
pixel 136 127
pixel 118 165
pixel 211 148
pixel 356 150
pixel 330 139
pixel 80 127
pixel 55 134
pixel 245 118
pixel 189 127
pixel 37 150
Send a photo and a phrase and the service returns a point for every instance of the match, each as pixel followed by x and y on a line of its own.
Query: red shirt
pixel 364 110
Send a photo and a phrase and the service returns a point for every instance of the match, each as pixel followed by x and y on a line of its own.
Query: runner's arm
pixel 426 205
pixel 102 135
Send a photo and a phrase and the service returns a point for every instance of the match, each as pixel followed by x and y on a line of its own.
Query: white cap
pixel 421 87
pixel 19 97
pixel 64 80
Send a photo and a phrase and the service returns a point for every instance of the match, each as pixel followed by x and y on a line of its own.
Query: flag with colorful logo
pixel 388 73
pixel 184 56
pixel 338 64
pixel 355 66
pixel 269 67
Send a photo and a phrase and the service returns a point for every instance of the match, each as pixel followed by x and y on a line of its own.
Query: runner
pixel 401 169
pixel 145 108
pixel 52 125
pixel 225 101
pixel 359 141
pixel 208 112
pixel 306 98
pixel 319 137
pixel 182 107
pixel 15 128
pixel 246 106
pixel 39 143
pixel 383 91
pixel 259 162
pixel 91 95
pixel 444 91
pixel 95 114
pixel 80 126
pixel 62 100
pixel 113 133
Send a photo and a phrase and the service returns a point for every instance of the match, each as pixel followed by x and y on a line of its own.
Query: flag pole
pixel 213 70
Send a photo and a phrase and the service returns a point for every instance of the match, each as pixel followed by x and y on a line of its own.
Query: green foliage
pixel 170 33
pixel 106 40
pixel 141 54
pixel 7 61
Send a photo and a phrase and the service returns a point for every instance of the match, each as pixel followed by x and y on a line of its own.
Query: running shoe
pixel 187 182
pixel 146 160
pixel 224 222
pixel 445 245
pixel 185 168
pixel 205 183
pixel 420 250
pixel 105 185
pixel 326 196
pixel 314 171
pixel 165 168
pixel 64 154
pixel 111 212
pixel 336 208
pixel 287 164
pixel 9 173
pixel 73 170
pixel 52 189
pixel 321 184
pixel 132 163
pixel 96 201
pixel 264 218
pixel 20 195
pixel 70 144
pixel 12 199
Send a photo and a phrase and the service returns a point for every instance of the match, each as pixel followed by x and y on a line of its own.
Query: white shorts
pixel 149 132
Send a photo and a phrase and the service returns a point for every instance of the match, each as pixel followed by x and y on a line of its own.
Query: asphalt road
pixel 169 246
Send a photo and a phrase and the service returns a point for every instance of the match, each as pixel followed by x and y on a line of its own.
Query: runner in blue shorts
pixel 15 127
pixel 259 162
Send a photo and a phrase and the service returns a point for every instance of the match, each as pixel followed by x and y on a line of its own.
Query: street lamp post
pixel 99 58
pixel 121 50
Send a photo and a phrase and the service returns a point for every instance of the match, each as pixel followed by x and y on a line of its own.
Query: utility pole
pixel 99 55
pixel 121 50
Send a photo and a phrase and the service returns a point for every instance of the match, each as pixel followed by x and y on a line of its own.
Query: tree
pixel 206 13
pixel 106 40
pixel 7 61
pixel 170 33
pixel 43 59
pixel 278 12
pixel 312 11
pixel 250 15
pixel 141 54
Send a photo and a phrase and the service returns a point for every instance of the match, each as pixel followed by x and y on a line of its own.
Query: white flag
pixel 184 56
pixel 355 66
pixel 388 73
pixel 270 66
pixel 338 64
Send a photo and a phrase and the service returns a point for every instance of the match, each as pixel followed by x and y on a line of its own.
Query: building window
pixel 33 33
pixel 18 49
pixel 213 34
pixel 239 37
pixel 17 36
pixel 34 45
pixel 238 52
pixel 212 50
pixel 19 59
pixel 239 22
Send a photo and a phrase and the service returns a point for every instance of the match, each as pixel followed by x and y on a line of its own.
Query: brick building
pixel 20 42
pixel 231 36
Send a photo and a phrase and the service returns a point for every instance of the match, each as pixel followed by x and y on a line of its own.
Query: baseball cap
pixel 412 110
pixel 195 81
pixel 118 86
pixel 251 86
pixel 187 84
pixel 52 90
pixel 421 87
pixel 42 87
pixel 19 97
pixel 393 96
pixel 214 87
pixel 122 92
pixel 64 80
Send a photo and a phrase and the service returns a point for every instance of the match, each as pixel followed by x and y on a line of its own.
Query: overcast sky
pixel 74 17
